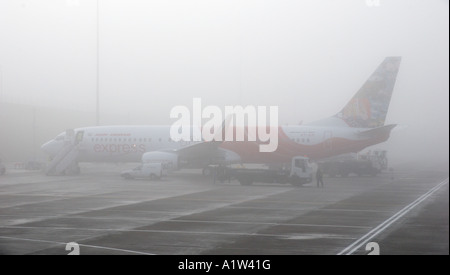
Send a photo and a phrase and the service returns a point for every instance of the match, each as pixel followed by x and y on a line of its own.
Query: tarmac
pixel 185 213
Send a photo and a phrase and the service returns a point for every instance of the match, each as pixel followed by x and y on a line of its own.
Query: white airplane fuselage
pixel 129 143
pixel 361 123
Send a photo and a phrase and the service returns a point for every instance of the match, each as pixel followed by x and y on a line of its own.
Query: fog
pixel 307 57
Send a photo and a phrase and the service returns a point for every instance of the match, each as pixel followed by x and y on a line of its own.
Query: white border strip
pixel 380 228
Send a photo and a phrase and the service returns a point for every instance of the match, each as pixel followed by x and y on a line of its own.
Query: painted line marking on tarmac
pixel 179 232
pixel 308 209
pixel 82 245
pixel 187 221
pixel 380 228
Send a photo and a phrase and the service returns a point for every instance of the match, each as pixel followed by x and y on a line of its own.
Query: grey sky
pixel 307 57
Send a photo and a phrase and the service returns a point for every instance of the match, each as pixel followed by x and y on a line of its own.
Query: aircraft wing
pixel 201 148
pixel 205 152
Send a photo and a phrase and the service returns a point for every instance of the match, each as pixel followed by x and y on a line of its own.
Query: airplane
pixel 360 124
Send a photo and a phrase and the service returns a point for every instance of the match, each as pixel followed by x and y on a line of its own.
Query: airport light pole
pixel 97 109
pixel 1 84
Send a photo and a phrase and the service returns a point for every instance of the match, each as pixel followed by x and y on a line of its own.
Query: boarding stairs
pixel 65 162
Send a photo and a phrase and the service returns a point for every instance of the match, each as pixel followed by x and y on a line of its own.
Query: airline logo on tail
pixel 368 108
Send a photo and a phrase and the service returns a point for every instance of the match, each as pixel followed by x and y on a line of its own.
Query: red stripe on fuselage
pixel 287 148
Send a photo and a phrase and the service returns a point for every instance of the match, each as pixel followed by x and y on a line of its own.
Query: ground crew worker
pixel 319 177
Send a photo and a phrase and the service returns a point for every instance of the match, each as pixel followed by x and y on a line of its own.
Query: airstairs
pixel 65 162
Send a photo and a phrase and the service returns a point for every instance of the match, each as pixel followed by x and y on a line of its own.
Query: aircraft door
pixel 79 137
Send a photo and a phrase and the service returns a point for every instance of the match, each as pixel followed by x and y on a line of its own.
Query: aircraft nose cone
pixel 45 147
pixel 49 148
